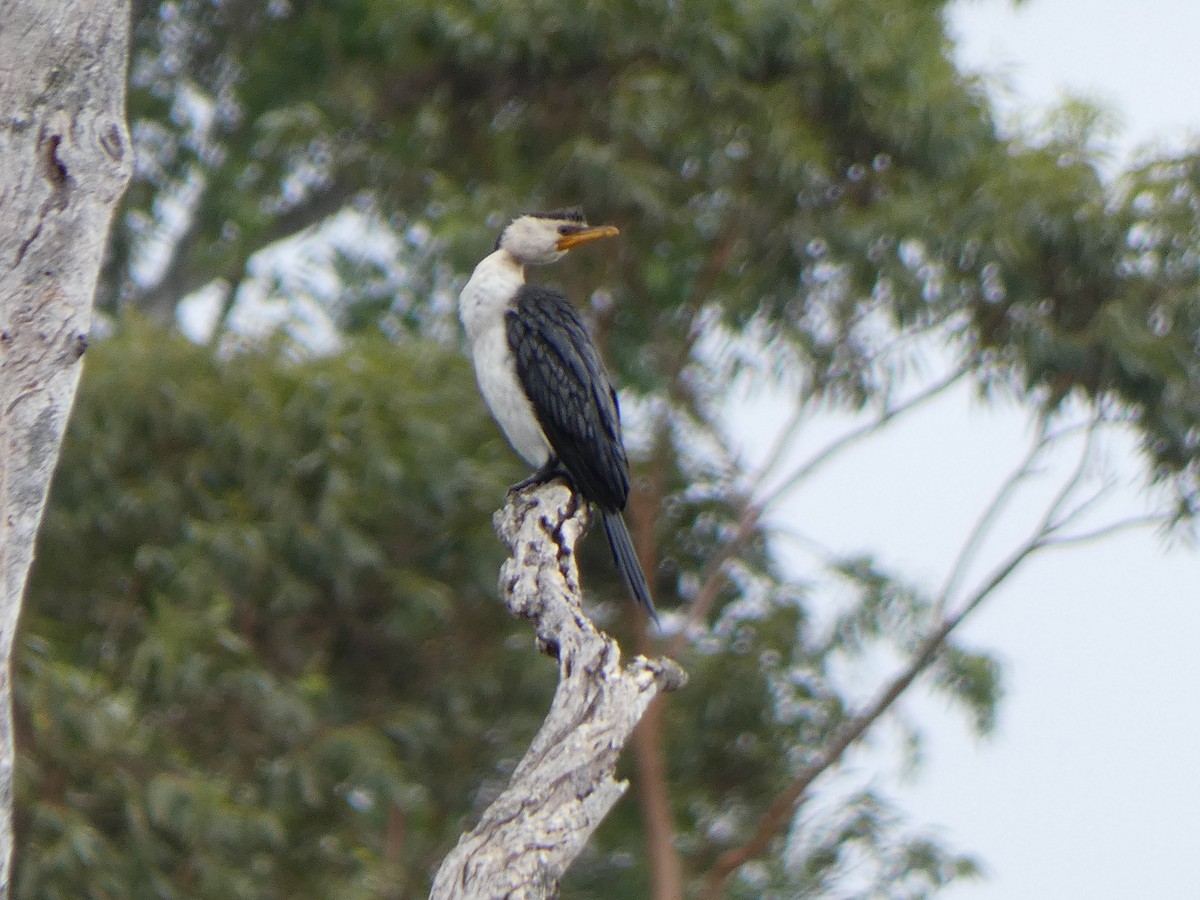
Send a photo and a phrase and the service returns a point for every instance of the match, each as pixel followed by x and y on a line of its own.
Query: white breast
pixel 481 306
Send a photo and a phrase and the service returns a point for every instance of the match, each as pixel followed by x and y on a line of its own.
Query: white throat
pixel 487 294
pixel 482 305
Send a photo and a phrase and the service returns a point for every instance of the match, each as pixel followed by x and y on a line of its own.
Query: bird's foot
pixel 548 472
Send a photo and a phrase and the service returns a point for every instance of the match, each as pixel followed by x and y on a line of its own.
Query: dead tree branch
pixel 565 784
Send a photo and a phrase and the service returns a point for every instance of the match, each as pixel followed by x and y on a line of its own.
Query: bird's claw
pixel 548 472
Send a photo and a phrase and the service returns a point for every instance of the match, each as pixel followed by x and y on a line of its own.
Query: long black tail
pixel 627 562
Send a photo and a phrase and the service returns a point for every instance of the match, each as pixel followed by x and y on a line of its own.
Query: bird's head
pixel 541 238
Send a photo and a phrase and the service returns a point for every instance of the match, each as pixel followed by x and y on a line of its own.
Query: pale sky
pixel 1137 57
pixel 1089 788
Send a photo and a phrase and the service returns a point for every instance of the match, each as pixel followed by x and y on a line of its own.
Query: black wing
pixel 572 396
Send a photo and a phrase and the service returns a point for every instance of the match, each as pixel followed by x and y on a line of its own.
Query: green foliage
pixel 253 646
pixel 1156 339
pixel 860 838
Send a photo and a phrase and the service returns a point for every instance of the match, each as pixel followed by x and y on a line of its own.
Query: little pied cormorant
pixel 542 378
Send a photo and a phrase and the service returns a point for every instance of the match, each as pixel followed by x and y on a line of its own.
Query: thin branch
pixel 779 446
pixel 1048 524
pixel 1082 508
pixel 985 522
pixel 999 575
pixel 803 408
pixel 859 434
pixel 181 278
pixel 1051 521
pixel 713 577
pixel 1129 524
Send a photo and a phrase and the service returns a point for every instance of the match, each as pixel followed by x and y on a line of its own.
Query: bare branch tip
pixel 671 675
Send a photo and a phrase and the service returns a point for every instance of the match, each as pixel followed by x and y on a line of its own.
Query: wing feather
pixel 572 395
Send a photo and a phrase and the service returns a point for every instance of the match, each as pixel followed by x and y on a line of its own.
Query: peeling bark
pixel 565 784
pixel 65 160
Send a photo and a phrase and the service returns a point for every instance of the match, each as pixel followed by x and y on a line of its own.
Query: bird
pixel 543 380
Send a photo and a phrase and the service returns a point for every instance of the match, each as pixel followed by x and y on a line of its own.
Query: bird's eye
pixel 564 230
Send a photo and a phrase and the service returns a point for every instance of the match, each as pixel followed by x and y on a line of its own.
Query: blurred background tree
pixel 261 656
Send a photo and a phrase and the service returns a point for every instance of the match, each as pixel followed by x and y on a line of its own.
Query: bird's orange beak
pixel 585 235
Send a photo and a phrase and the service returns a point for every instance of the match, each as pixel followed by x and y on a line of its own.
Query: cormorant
pixel 542 377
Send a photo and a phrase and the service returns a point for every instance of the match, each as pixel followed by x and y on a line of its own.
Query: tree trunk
pixel 565 785
pixel 65 159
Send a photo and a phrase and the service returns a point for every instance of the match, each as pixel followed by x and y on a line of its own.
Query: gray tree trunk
pixel 565 785
pixel 65 160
